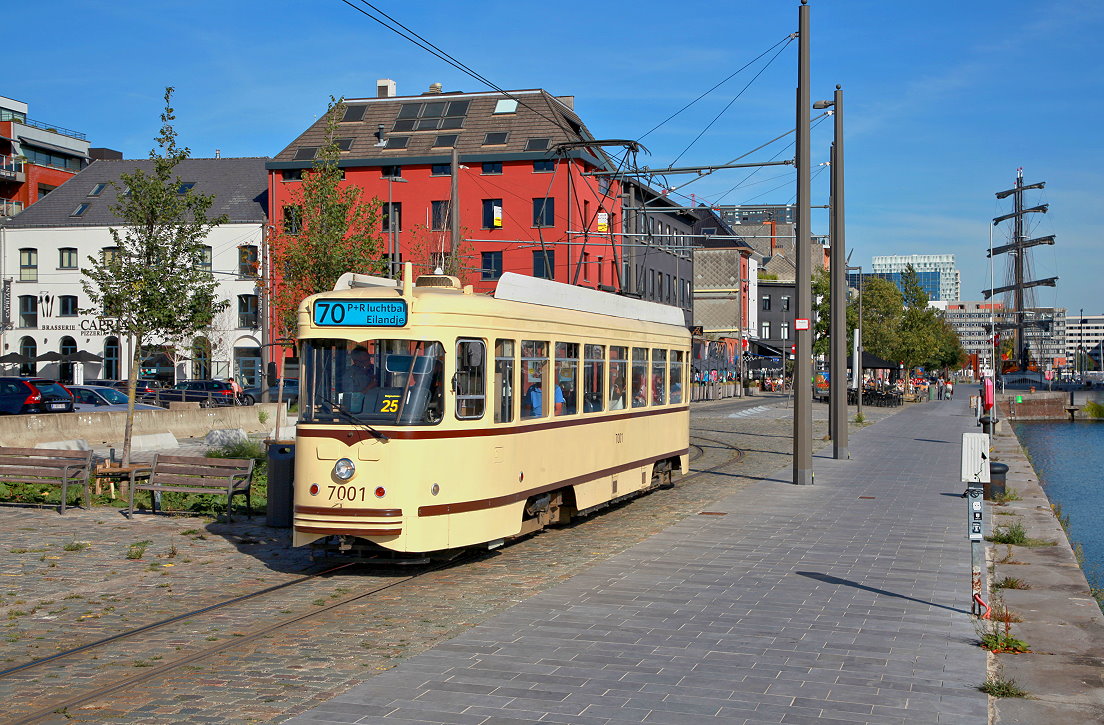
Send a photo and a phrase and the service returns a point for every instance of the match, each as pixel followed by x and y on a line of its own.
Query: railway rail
pixel 63 704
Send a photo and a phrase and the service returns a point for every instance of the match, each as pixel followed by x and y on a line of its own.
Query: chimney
pixel 385 88
pixel 218 153
pixel 436 88
pixel 568 101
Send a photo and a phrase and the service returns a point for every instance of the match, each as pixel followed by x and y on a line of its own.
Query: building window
pixel 67 306
pixel 397 142
pixel 394 212
pixel 440 215
pixel 441 170
pixel 305 153
pixel 785 305
pixel 291 175
pixel 544 263
pixel 544 212
pixel 108 255
pixel 544 165
pixel 491 265
pixel 248 262
pixel 505 105
pixel 97 189
pixel 80 210
pixel 445 140
pixel 111 358
pixel 391 172
pixel 344 144
pixel 492 167
pixel 764 330
pixel 67 258
pixel 537 144
pixel 496 138
pixel 205 260
pixel 28 311
pixel 353 113
pixel 766 303
pixel 431 116
pixel 28 348
pixel 185 187
pixel 604 185
pixel 783 331
pixel 247 310
pixel 492 213
pixel 293 219
pixel 28 265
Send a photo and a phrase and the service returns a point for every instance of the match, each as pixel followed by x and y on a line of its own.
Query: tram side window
pixel 567 377
pixel 594 363
pixel 471 378
pixel 659 377
pixel 639 377
pixel 618 370
pixel 534 365
pixel 676 376
pixel 504 381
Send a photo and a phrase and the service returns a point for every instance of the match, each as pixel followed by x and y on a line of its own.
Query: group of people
pixel 944 389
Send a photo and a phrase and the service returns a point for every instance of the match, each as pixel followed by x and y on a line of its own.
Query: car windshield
pixel 48 387
pixel 397 382
pixel 113 396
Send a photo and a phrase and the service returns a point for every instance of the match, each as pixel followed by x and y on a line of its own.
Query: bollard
pixel 995 487
pixel 986 424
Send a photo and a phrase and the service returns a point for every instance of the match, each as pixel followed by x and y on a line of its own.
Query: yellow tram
pixel 434 418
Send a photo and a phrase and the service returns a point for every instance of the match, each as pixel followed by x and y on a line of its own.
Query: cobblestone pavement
pixel 67 580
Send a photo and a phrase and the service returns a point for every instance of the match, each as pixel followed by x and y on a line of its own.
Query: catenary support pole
pixel 838 378
pixel 802 378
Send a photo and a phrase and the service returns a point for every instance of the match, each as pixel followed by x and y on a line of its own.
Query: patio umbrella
pixel 15 358
pixel 49 357
pixel 82 356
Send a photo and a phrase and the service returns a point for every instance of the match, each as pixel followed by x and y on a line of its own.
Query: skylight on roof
pixel 445 140
pixel 506 105
pixel 353 113
pixel 305 153
pixel 344 143
pixel 80 210
pixel 495 138
pixel 97 189
pixel 537 144
pixel 431 116
pixel 185 187
pixel 397 142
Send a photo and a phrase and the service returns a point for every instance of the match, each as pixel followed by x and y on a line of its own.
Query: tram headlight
pixel 344 469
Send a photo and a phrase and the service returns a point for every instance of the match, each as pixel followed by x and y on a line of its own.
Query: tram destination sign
pixel 360 313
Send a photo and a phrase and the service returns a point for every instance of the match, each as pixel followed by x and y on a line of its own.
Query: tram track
pixel 64 704
pixel 89 696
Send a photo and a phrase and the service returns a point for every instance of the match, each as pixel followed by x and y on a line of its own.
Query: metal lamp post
pixel 838 323
pixel 802 376
pixel 392 236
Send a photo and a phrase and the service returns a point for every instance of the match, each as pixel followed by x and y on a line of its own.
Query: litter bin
pixel 281 480
pixel 998 473
pixel 986 424
pixel 932 389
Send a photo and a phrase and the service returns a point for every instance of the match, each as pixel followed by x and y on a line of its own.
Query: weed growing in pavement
pixel 137 550
pixel 1015 533
pixel 997 638
pixel 76 546
pixel 190 532
pixel 19 550
pixel 172 552
pixel 1008 558
pixel 262 416
pixel 1010 582
pixel 1000 687
pixel 1008 495
pixel 1063 519
pixel 999 611
pixel 859 418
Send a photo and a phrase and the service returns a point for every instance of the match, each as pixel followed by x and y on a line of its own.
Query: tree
pixel 328 230
pixel 882 312
pixel 428 251
pixel 154 286
pixel 822 312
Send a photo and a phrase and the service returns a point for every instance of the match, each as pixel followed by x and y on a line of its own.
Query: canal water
pixel 1069 458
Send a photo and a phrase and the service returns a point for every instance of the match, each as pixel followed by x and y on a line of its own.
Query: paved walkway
pixel 844 602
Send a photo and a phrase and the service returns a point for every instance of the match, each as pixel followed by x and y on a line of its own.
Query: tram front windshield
pixel 392 382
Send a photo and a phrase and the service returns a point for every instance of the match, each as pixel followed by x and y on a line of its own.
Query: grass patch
pixel 1015 533
pixel 1000 687
pixel 1094 409
pixel 860 419
pixel 997 638
pixel 1008 495
pixel 137 550
pixel 76 546
pixel 1009 582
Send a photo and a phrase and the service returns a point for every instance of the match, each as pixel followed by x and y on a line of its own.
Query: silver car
pixel 102 398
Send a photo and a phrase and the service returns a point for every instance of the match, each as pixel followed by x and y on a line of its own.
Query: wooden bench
pixel 196 474
pixel 47 466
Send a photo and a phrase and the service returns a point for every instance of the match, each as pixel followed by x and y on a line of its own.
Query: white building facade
pixel 46 310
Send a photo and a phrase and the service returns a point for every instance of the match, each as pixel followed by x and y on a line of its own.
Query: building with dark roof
pixel 43 249
pixel 532 197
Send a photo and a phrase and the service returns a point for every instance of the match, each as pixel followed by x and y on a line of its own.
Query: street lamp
pixel 392 235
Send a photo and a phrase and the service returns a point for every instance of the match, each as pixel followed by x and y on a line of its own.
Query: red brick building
pixel 35 157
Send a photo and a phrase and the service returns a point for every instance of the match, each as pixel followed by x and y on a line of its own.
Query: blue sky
pixel 944 101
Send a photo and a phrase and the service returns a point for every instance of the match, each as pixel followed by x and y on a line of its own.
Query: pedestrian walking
pixel 950 390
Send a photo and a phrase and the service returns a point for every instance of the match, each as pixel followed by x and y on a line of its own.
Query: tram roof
pixel 536 291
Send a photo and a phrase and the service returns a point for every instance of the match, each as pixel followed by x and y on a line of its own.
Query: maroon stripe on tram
pixel 339 511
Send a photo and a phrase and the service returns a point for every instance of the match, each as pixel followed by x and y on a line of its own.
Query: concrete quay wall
pixel 1043 405
pixel 1062 622
pixel 183 421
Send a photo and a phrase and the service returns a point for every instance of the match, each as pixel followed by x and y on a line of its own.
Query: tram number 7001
pixel 618 437
pixel 348 493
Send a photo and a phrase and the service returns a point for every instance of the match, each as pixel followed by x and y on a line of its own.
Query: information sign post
pixel 975 472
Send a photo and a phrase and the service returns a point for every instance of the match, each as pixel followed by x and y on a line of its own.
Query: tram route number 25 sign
pixel 359 313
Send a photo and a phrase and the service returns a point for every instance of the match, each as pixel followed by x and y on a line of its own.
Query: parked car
pixel 208 393
pixel 142 387
pixel 55 397
pixel 18 396
pixel 102 398
pixel 291 392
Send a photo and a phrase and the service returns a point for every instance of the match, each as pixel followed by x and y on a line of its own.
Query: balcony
pixel 11 169
pixel 10 208
pixel 6 115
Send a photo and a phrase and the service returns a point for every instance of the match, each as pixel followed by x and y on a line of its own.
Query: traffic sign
pixel 801 323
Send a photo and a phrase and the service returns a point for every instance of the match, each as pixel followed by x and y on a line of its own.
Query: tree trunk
pixel 132 387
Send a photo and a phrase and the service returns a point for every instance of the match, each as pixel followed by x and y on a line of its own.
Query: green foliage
pixel 137 550
pixel 997 637
pixel 1010 582
pixel 881 317
pixel 1008 495
pixel 328 230
pixel 822 312
pixel 1000 687
pixel 241 449
pixel 1013 533
pixel 1094 409
pixel 154 284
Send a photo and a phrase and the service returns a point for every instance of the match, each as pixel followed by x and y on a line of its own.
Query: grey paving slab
pixel 841 602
